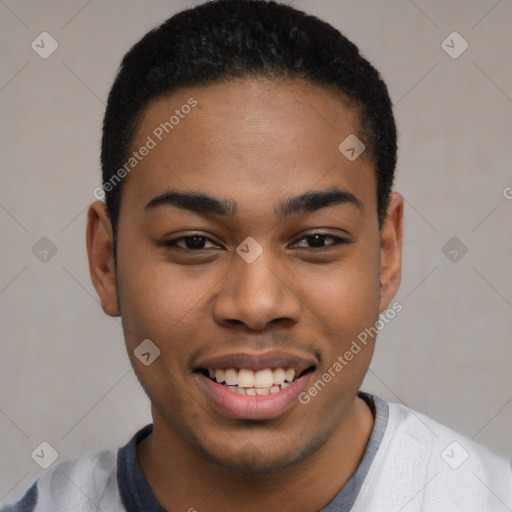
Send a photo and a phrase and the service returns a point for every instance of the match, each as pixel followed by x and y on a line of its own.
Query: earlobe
pixel 391 250
pixel 99 240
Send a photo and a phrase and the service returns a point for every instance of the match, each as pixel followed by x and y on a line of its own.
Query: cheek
pixel 154 307
pixel 154 301
pixel 346 298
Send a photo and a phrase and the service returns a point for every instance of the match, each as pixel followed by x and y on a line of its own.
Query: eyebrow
pixel 316 200
pixel 205 204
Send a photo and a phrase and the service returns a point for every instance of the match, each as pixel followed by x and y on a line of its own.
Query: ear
pixel 99 239
pixel 391 250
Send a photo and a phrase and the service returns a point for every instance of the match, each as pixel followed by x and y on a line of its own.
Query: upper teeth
pixel 245 378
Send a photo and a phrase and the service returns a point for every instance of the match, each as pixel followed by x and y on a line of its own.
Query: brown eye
pixel 192 242
pixel 319 241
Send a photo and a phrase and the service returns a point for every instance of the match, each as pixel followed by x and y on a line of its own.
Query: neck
pixel 183 479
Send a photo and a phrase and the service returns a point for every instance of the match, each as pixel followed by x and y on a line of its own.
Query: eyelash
pixel 337 241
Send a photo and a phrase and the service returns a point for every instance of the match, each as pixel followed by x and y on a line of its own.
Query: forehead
pixel 249 137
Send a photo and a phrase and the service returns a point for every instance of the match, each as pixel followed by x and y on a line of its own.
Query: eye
pixel 318 241
pixel 192 242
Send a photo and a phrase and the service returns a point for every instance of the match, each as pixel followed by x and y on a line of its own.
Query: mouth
pixel 245 381
pixel 257 386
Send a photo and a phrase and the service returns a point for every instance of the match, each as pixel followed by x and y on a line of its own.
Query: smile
pixel 248 382
pixel 248 387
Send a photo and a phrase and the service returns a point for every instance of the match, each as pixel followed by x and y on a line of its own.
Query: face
pixel 249 253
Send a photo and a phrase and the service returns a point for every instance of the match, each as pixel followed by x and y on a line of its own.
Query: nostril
pixel 234 321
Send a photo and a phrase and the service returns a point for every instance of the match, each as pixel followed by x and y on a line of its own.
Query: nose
pixel 256 295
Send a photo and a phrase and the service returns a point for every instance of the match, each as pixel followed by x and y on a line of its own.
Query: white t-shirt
pixel 411 463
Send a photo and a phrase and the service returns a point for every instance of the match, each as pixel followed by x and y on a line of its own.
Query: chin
pixel 250 459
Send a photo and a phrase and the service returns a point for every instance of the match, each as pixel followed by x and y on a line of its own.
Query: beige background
pixel 65 377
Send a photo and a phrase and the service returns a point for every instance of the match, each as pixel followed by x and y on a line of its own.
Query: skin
pixel 255 142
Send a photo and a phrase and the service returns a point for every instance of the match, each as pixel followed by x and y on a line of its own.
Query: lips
pixel 257 361
pixel 254 386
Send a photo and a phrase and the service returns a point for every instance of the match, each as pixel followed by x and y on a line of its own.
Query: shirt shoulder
pixel 425 465
pixel 448 447
pixel 87 483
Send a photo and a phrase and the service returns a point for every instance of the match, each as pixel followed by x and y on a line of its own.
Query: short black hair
pixel 226 39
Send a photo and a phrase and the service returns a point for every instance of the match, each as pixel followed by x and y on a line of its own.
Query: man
pixel 250 238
